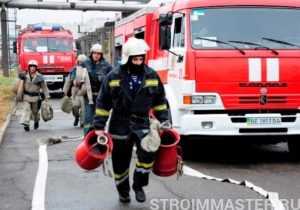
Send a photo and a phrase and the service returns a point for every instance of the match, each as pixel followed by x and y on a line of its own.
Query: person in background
pixel 97 68
pixel 73 88
pixel 34 83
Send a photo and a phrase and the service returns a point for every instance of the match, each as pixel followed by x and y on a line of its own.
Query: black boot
pixel 36 125
pixel 26 128
pixel 124 197
pixel 140 195
pixel 76 121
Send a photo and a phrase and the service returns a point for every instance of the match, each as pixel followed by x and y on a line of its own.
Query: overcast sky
pixel 29 16
pixel 26 16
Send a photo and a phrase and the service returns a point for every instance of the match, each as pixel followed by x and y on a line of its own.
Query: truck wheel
pixel 294 147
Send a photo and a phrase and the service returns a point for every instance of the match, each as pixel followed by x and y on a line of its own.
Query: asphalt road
pixel 70 188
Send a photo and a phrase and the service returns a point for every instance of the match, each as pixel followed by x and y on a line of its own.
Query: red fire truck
pixel 230 68
pixel 52 47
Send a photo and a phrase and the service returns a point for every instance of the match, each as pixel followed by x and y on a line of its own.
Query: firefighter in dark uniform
pixel 97 68
pixel 131 91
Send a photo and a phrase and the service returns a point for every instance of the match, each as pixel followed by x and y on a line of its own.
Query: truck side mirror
pixel 165 37
pixel 166 19
pixel 78 46
pixel 165 22
pixel 15 47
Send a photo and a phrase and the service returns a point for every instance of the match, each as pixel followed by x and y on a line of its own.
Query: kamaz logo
pixel 263 99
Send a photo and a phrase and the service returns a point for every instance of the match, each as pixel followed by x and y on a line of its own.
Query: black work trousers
pixel 121 158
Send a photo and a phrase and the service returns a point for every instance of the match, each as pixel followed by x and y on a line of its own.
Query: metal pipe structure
pixel 4 35
pixel 20 4
pixel 139 1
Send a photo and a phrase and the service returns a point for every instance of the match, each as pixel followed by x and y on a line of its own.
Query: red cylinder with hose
pixel 168 155
pixel 93 150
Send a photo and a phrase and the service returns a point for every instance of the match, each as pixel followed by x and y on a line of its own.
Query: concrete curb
pixel 7 121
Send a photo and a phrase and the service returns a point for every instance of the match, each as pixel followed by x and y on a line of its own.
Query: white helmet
pixel 33 63
pixel 134 47
pixel 81 58
pixel 97 48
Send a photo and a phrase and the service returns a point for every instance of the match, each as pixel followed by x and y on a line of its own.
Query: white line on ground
pixel 38 200
pixel 273 197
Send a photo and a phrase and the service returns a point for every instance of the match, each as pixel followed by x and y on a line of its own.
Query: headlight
pixel 200 99
pixel 197 99
pixel 210 99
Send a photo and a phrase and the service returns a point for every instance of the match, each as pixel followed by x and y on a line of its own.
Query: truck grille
pixel 52 70
pixel 243 112
pixel 256 99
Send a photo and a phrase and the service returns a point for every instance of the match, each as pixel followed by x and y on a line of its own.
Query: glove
pixel 151 142
pixel 22 76
pixel 165 125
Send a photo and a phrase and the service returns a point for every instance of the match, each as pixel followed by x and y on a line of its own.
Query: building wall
pixel 104 36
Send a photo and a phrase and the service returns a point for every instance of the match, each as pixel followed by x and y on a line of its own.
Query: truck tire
pixel 294 147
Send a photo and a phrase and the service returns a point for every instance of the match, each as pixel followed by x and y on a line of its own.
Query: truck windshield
pixel 48 45
pixel 274 28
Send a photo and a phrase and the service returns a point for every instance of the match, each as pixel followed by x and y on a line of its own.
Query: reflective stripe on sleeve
pixel 161 107
pixel 102 112
pixel 114 83
pixel 151 83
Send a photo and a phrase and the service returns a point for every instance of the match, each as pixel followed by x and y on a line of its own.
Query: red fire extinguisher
pixel 94 149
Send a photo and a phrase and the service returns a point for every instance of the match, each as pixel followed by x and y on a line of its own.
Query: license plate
pixel 263 121
pixel 54 78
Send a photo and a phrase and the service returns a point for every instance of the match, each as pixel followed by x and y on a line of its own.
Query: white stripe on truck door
pixel 51 58
pixel 273 70
pixel 255 69
pixel 45 59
